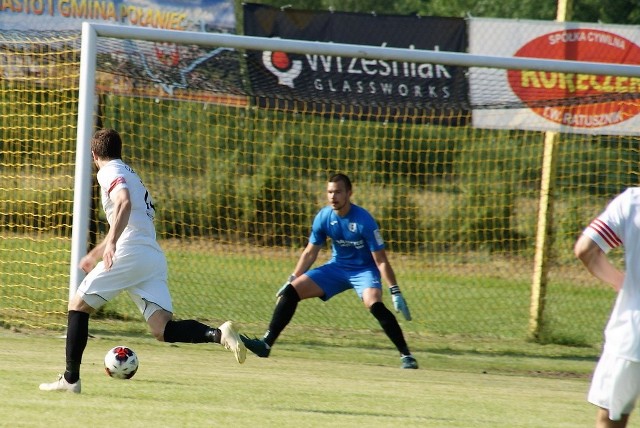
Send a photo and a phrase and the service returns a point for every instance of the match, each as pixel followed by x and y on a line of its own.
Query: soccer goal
pixel 236 146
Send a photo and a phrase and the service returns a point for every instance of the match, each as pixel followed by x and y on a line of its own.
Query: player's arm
pixel 89 261
pixel 596 262
pixel 107 248
pixel 309 254
pixel 307 259
pixel 384 266
pixel 387 273
pixel 119 220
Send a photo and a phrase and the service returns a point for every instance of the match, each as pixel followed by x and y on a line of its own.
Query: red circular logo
pixel 575 99
pixel 280 60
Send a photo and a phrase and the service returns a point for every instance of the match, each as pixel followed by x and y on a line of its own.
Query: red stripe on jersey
pixel 114 183
pixel 606 233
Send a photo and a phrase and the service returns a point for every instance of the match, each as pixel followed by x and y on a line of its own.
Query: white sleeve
pixel 606 229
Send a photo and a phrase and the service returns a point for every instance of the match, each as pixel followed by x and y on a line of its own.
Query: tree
pixel 606 11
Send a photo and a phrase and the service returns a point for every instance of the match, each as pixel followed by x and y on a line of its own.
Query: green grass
pixel 332 366
pixel 214 282
pixel 302 384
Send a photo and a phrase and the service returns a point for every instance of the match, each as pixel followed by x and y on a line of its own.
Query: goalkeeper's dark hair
pixel 336 178
pixel 107 144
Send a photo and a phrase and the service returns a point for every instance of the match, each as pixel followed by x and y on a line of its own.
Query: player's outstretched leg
pixel 230 339
pixel 61 385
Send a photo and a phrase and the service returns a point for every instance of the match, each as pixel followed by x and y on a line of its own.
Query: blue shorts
pixel 334 279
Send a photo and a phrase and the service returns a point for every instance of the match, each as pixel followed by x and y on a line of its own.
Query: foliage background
pixel 605 11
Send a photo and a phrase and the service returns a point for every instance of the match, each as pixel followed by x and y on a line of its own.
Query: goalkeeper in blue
pixel 358 262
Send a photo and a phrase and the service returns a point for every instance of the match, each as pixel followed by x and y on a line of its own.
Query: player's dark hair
pixel 106 144
pixel 336 178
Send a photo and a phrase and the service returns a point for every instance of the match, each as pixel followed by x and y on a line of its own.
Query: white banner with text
pixel 553 101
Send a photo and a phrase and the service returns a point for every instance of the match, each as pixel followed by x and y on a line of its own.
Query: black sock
pixel 190 331
pixel 282 314
pixel 77 337
pixel 390 326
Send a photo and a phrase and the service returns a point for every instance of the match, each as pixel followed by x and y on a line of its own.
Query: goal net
pixel 237 174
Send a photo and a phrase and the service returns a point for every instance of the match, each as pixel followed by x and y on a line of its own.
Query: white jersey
pixel 140 230
pixel 619 225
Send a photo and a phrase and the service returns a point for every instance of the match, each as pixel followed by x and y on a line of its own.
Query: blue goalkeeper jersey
pixel 353 237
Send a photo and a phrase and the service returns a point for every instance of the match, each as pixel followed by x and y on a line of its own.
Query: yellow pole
pixel 544 235
pixel 563 11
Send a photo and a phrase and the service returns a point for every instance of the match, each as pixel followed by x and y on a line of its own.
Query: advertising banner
pixel 44 15
pixel 553 101
pixel 404 90
pixel 134 67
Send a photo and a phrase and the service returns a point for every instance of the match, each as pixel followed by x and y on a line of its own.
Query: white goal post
pixel 87 85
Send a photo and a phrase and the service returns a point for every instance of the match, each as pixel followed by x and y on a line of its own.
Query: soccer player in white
pixel 132 261
pixel 615 386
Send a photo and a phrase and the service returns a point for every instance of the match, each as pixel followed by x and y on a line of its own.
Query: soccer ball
pixel 121 362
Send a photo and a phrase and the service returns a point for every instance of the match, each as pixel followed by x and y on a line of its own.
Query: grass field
pixel 300 385
pixel 332 366
pixel 481 296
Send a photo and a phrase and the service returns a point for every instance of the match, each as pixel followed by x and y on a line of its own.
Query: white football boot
pixel 230 339
pixel 61 385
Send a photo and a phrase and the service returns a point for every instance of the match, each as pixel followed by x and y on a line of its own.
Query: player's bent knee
pixel 158 334
pixel 79 305
pixel 157 323
pixel 157 330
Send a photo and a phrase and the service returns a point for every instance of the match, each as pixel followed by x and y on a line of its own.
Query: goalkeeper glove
pixel 399 304
pixel 289 281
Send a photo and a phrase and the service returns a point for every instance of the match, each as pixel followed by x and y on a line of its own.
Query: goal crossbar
pixel 361 51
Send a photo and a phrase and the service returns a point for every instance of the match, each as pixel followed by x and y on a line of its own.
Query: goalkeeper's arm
pixel 399 304
pixel 306 260
pixel 384 266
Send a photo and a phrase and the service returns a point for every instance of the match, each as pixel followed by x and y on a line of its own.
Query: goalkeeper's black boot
pixel 408 362
pixel 257 346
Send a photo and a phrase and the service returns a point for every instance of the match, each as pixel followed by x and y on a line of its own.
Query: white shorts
pixel 615 385
pixel 142 274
